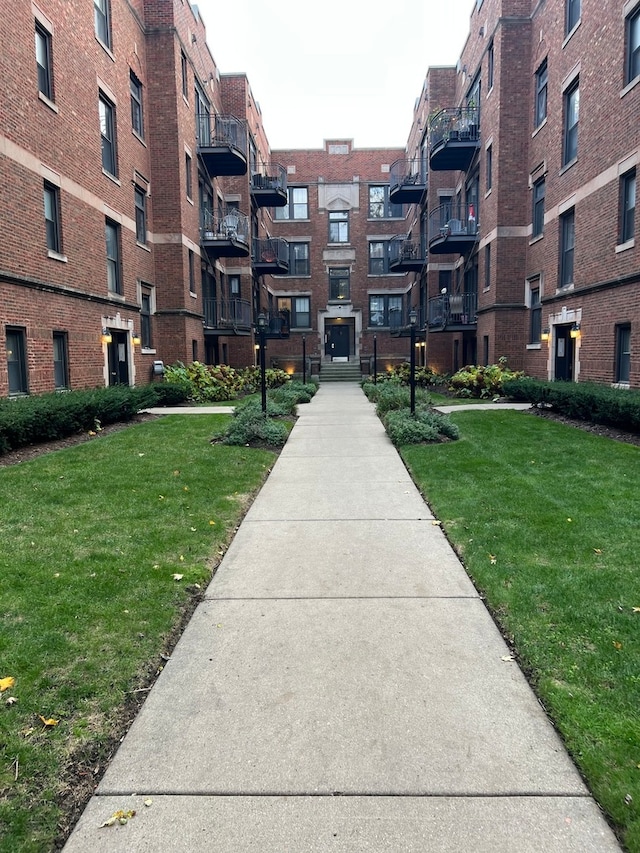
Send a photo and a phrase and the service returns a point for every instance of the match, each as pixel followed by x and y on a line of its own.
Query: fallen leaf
pixel 507 658
pixel 11 700
pixel 160 497
pixel 436 522
pixel 628 800
pixel 192 529
pixel 148 803
pixel 6 683
pixel 120 817
pixel 181 558
pixel 177 577
pixel 176 473
pixel 493 559
pixel 50 723
pixel 185 488
pixel 568 519
pixel 212 522
pixel 597 551
pixel 617 645
pixel 635 610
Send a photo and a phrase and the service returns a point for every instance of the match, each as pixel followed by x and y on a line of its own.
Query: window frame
pixel 632 49
pixel 538 206
pixel 290 304
pixel 573 14
pixel 299 266
pixel 490 66
pixel 17 373
pixel 192 271
pixel 487 267
pixel 567 248
pixel 140 205
pixel 628 193
pixel 146 311
pixel 137 111
pixel 571 122
pixel 188 168
pixel 379 260
pixel 102 21
pixel 338 226
pixel 184 70
pixel 542 83
pixel 337 275
pixel 384 309
pixel 107 115
pixel 60 342
pixel 388 210
pixel 535 312
pixel 53 228
pixel 623 354
pixel 114 261
pixel 489 168
pixel 44 40
pixel 295 207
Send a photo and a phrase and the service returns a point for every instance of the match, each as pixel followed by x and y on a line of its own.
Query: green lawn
pixel 104 549
pixel 546 520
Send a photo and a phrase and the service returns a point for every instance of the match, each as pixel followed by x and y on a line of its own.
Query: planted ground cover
pixel 545 518
pixel 105 549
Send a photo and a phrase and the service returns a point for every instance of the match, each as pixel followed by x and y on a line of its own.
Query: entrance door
pixel 563 360
pixel 338 341
pixel 117 354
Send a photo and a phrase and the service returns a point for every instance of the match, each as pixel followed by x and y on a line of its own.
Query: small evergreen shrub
pixel 173 393
pixel 425 425
pixel 249 425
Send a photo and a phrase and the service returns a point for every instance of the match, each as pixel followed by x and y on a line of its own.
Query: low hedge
pixel 46 417
pixel 585 401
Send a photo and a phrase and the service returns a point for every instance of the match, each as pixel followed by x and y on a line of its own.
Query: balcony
pixel 269 186
pixel 226 316
pixel 454 138
pixel 405 255
pixel 222 144
pixel 453 312
pixel 407 181
pixel 226 234
pixel 399 323
pixel 453 228
pixel 270 256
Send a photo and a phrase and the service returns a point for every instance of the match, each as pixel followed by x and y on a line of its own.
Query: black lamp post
pixel 262 325
pixel 304 359
pixel 413 316
pixel 375 360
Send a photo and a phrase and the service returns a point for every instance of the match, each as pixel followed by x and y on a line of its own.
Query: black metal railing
pixel 454 124
pixel 271 250
pixel 269 176
pixel 227 224
pixel 222 130
pixel 453 309
pixel 226 313
pixel 405 250
pixel 407 174
pixel 400 322
pixel 453 219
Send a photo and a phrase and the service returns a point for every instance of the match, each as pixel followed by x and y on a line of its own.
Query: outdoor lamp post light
pixel 106 336
pixel 413 317
pixel 304 359
pixel 375 360
pixel 575 331
pixel 262 325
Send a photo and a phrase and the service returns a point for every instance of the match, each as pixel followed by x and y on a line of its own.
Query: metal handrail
pixel 399 319
pixel 269 176
pixel 225 224
pixel 453 219
pixel 454 123
pixel 270 250
pixel 220 130
pixel 226 313
pixel 404 173
pixel 453 309
pixel 402 248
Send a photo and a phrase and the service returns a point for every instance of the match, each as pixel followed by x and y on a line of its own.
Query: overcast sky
pixel 350 69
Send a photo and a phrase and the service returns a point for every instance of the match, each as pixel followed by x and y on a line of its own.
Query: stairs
pixel 340 371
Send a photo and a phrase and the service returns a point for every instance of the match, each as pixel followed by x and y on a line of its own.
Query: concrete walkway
pixel 342 687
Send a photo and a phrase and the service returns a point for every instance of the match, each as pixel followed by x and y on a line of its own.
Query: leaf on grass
pixel 48 723
pixel 597 550
pixel 212 522
pixel 493 559
pixel 635 610
pixel 569 519
pixel 617 645
pixel 10 700
pixel 193 529
pixel 6 683
pixel 182 558
pixel 177 577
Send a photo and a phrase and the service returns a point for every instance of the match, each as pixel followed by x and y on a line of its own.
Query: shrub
pixel 207 383
pixel 424 376
pixel 249 425
pixel 274 378
pixel 482 381
pixel 172 393
pixel 425 425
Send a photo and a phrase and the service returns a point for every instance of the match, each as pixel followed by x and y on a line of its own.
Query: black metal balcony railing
pixel 226 314
pixel 399 322
pixel 407 181
pixel 454 138
pixel 453 228
pixel 222 144
pixel 270 255
pixel 405 254
pixel 453 310
pixel 269 186
pixel 225 234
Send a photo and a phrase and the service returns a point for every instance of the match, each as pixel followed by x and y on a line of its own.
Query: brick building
pixel 145 218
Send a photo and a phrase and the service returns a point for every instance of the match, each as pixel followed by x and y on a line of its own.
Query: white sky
pixel 348 69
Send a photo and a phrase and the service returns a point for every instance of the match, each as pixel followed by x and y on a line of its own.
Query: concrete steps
pixel 340 371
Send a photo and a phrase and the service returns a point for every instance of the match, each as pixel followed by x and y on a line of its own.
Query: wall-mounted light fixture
pixel 575 331
pixel 106 336
pixel 545 335
pixel 135 339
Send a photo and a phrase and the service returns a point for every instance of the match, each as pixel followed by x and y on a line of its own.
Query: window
pixel 192 273
pixel 43 61
pixel 633 46
pixel 573 14
pixel 571 115
pixel 490 66
pixel 379 257
pixel 297 206
pixel 542 76
pixel 567 246
pixel 60 361
pixel 623 353
pixel 339 284
pixel 338 226
pixel 539 190
pixel 381 308
pixel 298 309
pixel 489 167
pixel 379 205
pixel 535 312
pixel 487 266
pixel 194 350
pixel 102 21
pixel 185 76
pixel 137 122
pixel 140 200
pixel 188 170
pixel 234 285
pixel 145 319
pixel 299 259
pixel 16 361
pixel 627 206
pixel 114 274
pixel 108 134
pixel 52 217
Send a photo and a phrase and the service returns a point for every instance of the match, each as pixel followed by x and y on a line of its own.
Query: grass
pixel 545 518
pixel 91 540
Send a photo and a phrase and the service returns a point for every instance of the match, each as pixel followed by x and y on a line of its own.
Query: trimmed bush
pixel 482 381
pixel 172 393
pixel 249 425
pixel 424 376
pixel 425 426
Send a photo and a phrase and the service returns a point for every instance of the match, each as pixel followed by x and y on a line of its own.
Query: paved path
pixel 342 687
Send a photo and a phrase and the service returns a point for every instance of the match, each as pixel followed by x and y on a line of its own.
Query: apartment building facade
pixel 145 219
